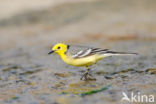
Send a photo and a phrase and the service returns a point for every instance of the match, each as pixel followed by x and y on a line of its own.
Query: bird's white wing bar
pixel 77 55
pixel 82 53
pixel 87 52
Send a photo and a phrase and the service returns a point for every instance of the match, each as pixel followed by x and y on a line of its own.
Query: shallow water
pixel 34 82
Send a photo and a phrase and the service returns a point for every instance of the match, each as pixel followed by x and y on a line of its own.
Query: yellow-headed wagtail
pixel 83 56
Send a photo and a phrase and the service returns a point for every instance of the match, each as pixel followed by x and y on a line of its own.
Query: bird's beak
pixel 51 52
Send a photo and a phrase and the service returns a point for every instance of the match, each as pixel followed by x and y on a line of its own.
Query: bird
pixel 83 56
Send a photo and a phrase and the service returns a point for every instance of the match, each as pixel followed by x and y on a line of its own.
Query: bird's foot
pixel 87 76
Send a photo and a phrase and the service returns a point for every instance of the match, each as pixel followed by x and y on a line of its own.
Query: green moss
pixel 89 92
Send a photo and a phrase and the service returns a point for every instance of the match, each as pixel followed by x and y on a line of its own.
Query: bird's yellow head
pixel 59 48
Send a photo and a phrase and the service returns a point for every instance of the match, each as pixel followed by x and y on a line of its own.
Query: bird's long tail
pixel 112 53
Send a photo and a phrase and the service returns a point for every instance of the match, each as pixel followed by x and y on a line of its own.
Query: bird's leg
pixel 87 75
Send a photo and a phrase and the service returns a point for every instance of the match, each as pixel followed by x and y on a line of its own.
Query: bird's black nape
pixel 68 46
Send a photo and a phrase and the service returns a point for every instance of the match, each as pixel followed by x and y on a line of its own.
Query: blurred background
pixel 28 30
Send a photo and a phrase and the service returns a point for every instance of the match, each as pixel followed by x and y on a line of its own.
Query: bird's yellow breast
pixel 85 61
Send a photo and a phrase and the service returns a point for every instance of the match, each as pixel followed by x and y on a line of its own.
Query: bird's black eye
pixel 58 47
